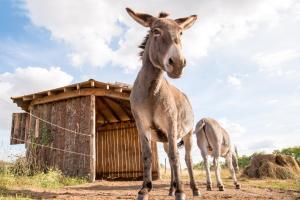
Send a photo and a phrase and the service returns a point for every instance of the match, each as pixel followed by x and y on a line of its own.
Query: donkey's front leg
pixel 172 189
pixel 147 158
pixel 174 162
pixel 189 162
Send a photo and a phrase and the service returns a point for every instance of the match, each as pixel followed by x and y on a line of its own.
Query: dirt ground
pixel 128 190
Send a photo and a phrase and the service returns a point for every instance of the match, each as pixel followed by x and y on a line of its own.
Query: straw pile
pixel 272 166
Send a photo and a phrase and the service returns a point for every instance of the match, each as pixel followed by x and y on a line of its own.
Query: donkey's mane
pixel 143 44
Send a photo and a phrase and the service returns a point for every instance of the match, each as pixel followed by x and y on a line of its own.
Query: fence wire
pixel 45 146
pixel 52 124
pixel 55 125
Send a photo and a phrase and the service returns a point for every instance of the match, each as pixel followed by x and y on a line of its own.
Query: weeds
pixel 18 175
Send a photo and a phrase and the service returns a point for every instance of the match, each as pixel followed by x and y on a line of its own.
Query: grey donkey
pixel 161 111
pixel 213 140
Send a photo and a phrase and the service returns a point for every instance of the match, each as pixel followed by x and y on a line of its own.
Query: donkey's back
pixel 212 138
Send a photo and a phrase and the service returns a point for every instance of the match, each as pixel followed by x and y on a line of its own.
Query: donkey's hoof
pixel 221 188
pixel 171 192
pixel 142 197
pixel 179 196
pixel 237 186
pixel 196 193
pixel 208 188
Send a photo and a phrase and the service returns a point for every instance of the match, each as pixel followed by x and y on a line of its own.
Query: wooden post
pixel 92 140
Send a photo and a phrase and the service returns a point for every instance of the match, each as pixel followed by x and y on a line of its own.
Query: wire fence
pixel 16 152
pixel 7 149
pixel 60 127
pixel 49 147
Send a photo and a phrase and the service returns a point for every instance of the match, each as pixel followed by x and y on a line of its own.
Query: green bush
pixel 199 166
pixel 244 161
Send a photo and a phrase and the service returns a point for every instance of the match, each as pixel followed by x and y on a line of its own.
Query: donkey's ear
pixel 141 18
pixel 186 22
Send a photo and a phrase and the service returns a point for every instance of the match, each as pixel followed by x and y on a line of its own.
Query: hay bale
pixel 272 166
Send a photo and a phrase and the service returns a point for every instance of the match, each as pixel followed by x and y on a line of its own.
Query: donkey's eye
pixel 156 32
pixel 180 33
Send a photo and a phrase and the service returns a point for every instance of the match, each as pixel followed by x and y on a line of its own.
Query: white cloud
pixel 27 80
pixel 264 145
pixel 273 101
pixel 89 26
pixel 33 79
pixel 234 81
pixel 235 130
pixel 23 81
pixel 273 63
pixel 231 32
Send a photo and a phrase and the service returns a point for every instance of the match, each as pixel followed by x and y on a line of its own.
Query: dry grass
pixel 287 184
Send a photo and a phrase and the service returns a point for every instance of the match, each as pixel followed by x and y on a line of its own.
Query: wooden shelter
pixel 83 129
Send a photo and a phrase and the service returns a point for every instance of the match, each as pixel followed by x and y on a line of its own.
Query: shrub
pixel 244 161
pixel 20 167
pixel 3 167
pixel 199 166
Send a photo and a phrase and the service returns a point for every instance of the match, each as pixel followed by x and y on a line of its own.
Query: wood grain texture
pixel 18 127
pixel 73 114
pixel 112 151
pixel 119 153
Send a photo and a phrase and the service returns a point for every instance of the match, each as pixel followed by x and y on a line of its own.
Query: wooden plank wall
pixel 19 127
pixel 73 114
pixel 118 153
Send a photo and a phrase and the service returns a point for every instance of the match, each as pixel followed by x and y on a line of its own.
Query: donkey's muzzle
pixel 177 64
pixel 175 67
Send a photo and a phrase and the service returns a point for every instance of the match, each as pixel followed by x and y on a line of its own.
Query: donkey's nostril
pixel 184 62
pixel 171 61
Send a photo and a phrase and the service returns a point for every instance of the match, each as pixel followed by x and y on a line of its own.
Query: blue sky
pixel 243 59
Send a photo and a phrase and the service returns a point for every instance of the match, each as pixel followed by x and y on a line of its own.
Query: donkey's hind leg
pixel 172 188
pixel 218 173
pixel 232 171
pixel 189 162
pixel 207 170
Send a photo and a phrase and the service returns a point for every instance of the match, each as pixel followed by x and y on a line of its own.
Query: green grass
pixel 51 180
pixel 12 184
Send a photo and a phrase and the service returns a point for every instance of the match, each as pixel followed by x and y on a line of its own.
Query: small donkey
pixel 213 140
pixel 161 111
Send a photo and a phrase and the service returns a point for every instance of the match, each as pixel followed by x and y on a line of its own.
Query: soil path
pixel 127 190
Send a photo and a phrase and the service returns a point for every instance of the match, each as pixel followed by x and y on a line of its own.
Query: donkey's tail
pixel 180 144
pixel 199 126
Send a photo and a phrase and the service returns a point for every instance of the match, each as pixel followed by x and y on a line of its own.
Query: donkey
pixel 161 111
pixel 213 140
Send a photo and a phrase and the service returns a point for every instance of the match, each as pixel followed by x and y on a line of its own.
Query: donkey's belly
pixel 159 136
pixel 160 130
